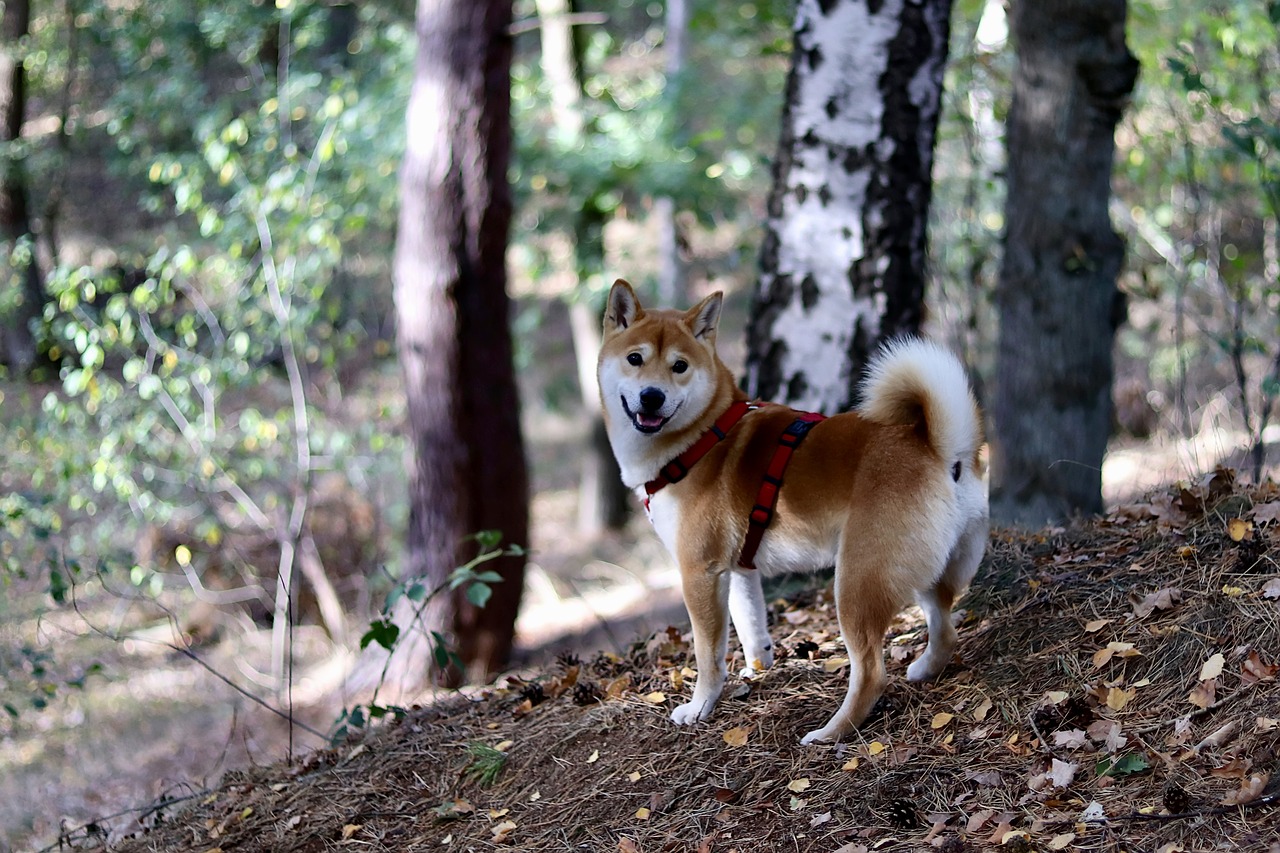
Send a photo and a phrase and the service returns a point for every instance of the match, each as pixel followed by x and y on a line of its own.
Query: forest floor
pixel 1114 689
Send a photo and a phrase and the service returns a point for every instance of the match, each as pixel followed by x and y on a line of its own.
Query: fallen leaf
pixel 1060 842
pixel 1095 625
pixel 851 847
pixel 1055 697
pixel 833 664
pixel 875 747
pixel 635 776
pixel 1238 528
pixel 626 845
pixel 979 819
pixel 1093 812
pixel 614 689
pixel 643 813
pixel 940 720
pixel 1114 649
pixel 1212 668
pixel 852 763
pixel 1062 772
pixel 1254 669
pixel 505 745
pixel 737 736
pixel 594 756
pixel 350 830
pixel 1117 698
pixel 980 712
pixel 1072 739
pixel 494 814
pixel 798 786
pixel 1161 599
pixel 1266 724
pixel 1262 513
pixel 1232 591
pixel 1250 790
pixel 1114 739
pixel 1204 693
pixel 820 819
pixel 1271 589
pixel 657 697
pixel 502 831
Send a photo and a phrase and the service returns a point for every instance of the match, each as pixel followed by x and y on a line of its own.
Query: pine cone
pixel 901 813
pixel 534 693
pixel 568 660
pixel 586 693
pixel 1176 800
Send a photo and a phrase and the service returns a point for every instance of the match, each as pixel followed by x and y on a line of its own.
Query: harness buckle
pixel 674 471
pixel 761 515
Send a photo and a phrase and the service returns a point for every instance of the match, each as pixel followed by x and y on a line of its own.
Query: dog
pixel 892 494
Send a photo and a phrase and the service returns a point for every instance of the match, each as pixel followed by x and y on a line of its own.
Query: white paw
pixel 924 669
pixel 817 736
pixel 692 712
pixel 757 664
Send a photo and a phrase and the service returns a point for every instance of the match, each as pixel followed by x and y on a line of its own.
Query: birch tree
pixel 842 261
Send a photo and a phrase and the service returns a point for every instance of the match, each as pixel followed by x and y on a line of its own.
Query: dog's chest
pixel 664 514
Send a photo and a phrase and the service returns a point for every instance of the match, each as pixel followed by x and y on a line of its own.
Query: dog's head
pixel 658 369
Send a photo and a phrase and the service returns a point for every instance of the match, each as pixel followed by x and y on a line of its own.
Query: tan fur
pixel 869 494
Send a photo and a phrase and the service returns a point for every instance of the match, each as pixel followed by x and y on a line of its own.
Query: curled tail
pixel 912 381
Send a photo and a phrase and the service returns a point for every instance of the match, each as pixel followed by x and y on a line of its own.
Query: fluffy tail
pixel 912 381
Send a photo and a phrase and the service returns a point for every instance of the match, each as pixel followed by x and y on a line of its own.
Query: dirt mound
pixel 1115 688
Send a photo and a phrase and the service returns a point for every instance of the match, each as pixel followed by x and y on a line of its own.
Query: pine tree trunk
pixel 468 469
pixel 22 287
pixel 1057 297
pixel 842 264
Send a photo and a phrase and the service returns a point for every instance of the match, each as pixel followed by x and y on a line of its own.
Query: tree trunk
pixel 842 263
pixel 468 470
pixel 1057 298
pixel 672 291
pixel 603 501
pixel 22 295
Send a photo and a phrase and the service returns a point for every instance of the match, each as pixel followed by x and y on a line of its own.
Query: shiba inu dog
pixel 891 494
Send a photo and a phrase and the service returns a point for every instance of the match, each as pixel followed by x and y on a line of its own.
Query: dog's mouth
pixel 645 423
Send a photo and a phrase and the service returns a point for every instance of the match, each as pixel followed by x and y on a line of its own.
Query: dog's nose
pixel 651 399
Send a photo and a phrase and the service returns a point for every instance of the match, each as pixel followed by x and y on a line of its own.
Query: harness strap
pixel 767 497
pixel 675 470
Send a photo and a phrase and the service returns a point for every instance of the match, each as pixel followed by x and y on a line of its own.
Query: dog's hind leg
pixel 936 603
pixel 705 597
pixel 750 620
pixel 865 605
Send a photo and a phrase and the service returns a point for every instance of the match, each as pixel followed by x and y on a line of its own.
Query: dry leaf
pixel 1114 739
pixel 618 686
pixel 643 813
pixel 833 664
pixel 502 831
pixel 350 830
pixel 1255 669
pixel 505 745
pixel 1095 625
pixel 1060 842
pixel 1220 736
pixel 875 747
pixel 1055 697
pixel 798 786
pixel 977 820
pixel 737 736
pixel 1212 668
pixel 940 720
pixel 594 756
pixel 1117 698
pixel 1073 739
pixel 851 847
pixel 1262 513
pixel 820 819
pixel 1266 724
pixel 852 763
pixel 1271 589
pixel 1114 649
pixel 657 697
pixel 1250 790
pixel 1203 694
pixel 494 814
pixel 1062 772
pixel 1161 599
pixel 626 845
pixel 980 712
pixel 1238 528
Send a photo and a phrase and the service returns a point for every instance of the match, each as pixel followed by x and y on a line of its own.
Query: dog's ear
pixel 622 309
pixel 704 318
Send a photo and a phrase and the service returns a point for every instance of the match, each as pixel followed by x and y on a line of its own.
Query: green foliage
pixel 1121 766
pixel 484 763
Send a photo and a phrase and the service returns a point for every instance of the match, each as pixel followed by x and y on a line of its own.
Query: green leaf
pixel 479 594
pixel 488 539
pixel 1124 766
pixel 384 632
pixel 489 577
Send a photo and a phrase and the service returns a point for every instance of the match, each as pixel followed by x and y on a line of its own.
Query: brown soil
pixel 1146 642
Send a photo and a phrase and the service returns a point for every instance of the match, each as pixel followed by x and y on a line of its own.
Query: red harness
pixel 767 496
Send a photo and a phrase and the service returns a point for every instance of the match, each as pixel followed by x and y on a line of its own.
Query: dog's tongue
pixel 649 420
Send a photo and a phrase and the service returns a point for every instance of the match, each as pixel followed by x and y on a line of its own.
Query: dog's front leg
pixel 705 594
pixel 750 620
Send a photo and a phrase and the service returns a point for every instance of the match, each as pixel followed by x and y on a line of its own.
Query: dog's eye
pixel 680 366
pixel 635 359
